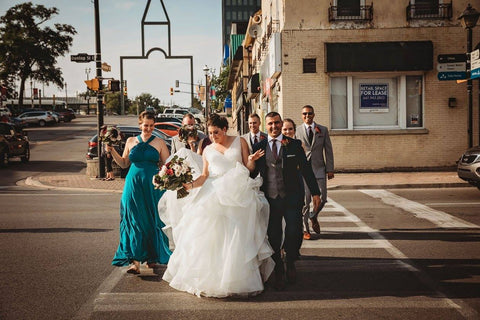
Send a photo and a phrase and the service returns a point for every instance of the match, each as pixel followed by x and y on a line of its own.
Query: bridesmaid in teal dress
pixel 141 235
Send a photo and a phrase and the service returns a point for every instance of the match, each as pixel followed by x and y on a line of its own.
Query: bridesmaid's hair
pixel 217 121
pixel 291 121
pixel 145 115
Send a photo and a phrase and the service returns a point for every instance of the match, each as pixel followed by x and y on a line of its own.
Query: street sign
pixel 106 67
pixel 454 57
pixel 455 75
pixel 475 64
pixel 452 67
pixel 82 57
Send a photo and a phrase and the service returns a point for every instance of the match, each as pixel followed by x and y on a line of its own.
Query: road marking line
pixel 181 301
pixel 345 229
pixel 347 244
pixel 452 204
pixel 419 210
pixel 107 285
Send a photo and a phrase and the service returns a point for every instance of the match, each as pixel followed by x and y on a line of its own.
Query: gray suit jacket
pixel 320 152
pixel 247 138
pixel 177 144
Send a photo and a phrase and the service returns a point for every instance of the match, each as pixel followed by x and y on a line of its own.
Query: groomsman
pixel 284 167
pixel 255 135
pixel 319 151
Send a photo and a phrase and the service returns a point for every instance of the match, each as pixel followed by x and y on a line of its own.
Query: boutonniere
pixel 285 142
pixel 262 137
pixel 317 130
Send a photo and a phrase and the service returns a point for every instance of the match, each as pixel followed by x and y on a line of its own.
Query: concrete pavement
pixel 382 180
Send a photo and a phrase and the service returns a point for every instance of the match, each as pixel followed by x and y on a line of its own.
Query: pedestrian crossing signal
pixel 171 91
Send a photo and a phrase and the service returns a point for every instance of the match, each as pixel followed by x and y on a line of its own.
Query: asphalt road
pixel 382 254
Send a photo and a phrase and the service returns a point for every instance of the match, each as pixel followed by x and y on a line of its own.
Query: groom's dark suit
pixel 283 186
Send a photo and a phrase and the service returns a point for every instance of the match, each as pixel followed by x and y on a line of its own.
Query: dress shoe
pixel 315 225
pixel 291 273
pixel 306 235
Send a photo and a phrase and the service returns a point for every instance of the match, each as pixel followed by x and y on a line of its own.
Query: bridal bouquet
pixel 173 175
pixel 110 135
pixel 186 132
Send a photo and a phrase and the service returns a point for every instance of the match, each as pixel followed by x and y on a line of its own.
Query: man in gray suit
pixel 255 135
pixel 319 151
pixel 189 120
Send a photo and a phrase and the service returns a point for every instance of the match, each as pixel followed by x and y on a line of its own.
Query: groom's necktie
pixel 255 140
pixel 310 135
pixel 274 148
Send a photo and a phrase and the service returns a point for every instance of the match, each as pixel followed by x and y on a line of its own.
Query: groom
pixel 282 169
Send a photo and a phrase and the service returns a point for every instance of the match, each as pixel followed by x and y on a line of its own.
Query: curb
pixel 399 186
pixel 30 181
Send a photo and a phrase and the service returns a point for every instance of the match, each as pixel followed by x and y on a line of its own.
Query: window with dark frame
pixel 309 65
pixel 348 7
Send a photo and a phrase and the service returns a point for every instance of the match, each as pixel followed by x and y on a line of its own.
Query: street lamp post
pixel 206 70
pixel 87 72
pixel 469 19
pixel 66 96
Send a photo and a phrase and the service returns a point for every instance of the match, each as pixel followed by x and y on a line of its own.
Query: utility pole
pixel 98 60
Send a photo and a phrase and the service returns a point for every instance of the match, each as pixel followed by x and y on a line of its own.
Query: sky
pixel 195 29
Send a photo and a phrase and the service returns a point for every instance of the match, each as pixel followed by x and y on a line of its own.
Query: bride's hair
pixel 217 121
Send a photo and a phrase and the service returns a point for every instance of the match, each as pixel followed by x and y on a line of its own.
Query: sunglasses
pixel 307 113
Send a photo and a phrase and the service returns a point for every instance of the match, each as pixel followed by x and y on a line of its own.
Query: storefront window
pixel 359 103
pixel 338 96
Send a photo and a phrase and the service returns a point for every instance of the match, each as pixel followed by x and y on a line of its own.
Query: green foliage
pixel 221 91
pixel 145 100
pixel 113 102
pixel 28 50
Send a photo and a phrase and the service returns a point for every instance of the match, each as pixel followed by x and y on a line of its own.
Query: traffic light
pixel 177 83
pixel 171 91
pixel 125 88
pixel 92 84
pixel 114 85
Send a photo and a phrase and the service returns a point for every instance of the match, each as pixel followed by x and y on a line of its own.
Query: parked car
pixel 127 132
pixel 19 123
pixel 66 115
pixel 169 128
pixel 4 111
pixel 55 116
pixel 13 144
pixel 40 118
pixel 468 167
pixel 164 118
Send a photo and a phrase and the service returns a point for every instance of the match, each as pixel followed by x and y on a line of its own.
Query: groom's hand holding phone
pixel 317 201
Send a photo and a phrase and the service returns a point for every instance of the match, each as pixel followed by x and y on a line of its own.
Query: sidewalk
pixel 342 181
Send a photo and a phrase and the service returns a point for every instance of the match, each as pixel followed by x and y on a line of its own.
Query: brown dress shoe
pixel 306 235
pixel 315 225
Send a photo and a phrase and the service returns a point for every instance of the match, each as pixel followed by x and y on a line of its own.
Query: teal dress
pixel 141 235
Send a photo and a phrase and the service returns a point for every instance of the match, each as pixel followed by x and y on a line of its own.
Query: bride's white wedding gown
pixel 221 246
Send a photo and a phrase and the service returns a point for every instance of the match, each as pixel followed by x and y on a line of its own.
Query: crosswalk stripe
pixel 180 301
pixel 347 244
pixel 437 217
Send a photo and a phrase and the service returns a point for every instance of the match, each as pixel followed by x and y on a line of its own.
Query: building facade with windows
pixel 371 72
pixel 235 11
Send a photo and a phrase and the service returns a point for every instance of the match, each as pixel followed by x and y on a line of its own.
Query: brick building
pixel 370 70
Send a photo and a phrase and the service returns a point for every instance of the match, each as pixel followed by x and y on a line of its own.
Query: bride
pixel 221 246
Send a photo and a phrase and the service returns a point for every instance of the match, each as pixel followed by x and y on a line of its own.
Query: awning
pixel 379 56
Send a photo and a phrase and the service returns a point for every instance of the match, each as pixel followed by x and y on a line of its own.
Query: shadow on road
pixel 54 230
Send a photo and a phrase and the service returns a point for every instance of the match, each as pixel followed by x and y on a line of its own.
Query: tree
pixel 28 50
pixel 221 88
pixel 144 100
pixel 113 102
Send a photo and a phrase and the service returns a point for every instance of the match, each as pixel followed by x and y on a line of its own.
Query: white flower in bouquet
pixel 172 176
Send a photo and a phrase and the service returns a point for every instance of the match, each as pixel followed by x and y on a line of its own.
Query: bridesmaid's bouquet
pixel 173 175
pixel 110 135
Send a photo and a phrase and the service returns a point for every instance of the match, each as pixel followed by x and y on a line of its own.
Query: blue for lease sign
pixel 373 97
